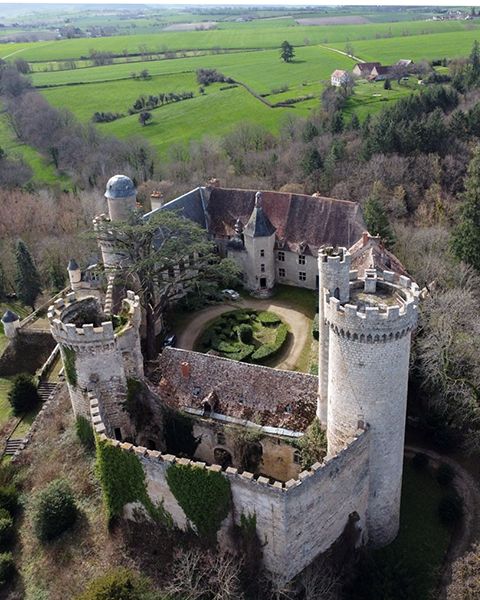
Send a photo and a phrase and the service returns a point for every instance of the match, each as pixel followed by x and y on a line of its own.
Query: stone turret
pixel 74 274
pixel 121 196
pixel 369 334
pixel 11 322
pixel 259 242
pixel 98 353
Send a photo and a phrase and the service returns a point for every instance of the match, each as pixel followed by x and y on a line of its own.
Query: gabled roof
pixel 298 219
pixel 339 73
pixel 367 66
pixel 370 253
pixel 189 205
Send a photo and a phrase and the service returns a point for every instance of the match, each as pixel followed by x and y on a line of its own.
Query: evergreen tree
pixel 475 61
pixel 287 52
pixel 376 219
pixel 387 85
pixel 466 236
pixel 56 274
pixel 27 280
pixel 355 122
pixel 311 161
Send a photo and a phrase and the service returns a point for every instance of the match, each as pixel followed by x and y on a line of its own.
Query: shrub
pixel 23 395
pixel 6 528
pixel 420 461
pixel 268 318
pixel 55 510
pixel 269 350
pixel 245 333
pixel 84 431
pixel 118 584
pixel 445 474
pixel 450 509
pixel 315 327
pixel 7 567
pixel 9 498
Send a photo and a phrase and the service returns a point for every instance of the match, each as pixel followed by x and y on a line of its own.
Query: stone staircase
pixel 13 445
pixel 46 388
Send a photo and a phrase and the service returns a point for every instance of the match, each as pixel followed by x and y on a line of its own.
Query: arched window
pixel 336 293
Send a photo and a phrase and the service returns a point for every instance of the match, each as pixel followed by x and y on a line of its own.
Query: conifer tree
pixel 466 236
pixel 287 52
pixel 376 219
pixel 27 280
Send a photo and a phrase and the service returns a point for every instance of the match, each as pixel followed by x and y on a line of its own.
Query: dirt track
pixel 299 327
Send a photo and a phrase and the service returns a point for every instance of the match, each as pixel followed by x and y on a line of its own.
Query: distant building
pixel 339 78
pixel 364 70
pixel 405 62
pixel 381 73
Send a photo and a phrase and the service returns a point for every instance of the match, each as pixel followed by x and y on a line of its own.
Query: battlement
pixel 333 256
pixel 385 309
pixel 67 318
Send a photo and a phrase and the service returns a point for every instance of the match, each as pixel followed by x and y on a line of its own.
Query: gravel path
pixel 299 327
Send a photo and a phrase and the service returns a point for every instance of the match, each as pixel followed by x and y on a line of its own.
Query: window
pixel 220 438
pixel 262 268
pixel 297 457
pixel 302 276
pixel 301 259
pixel 262 252
pixel 281 272
pixel 281 256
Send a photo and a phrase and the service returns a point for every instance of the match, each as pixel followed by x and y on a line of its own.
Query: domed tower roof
pixel 259 225
pixel 120 186
pixel 72 265
pixel 10 317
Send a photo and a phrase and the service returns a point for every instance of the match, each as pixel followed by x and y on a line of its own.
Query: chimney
pixel 185 368
pixel 365 238
pixel 213 182
pixel 156 199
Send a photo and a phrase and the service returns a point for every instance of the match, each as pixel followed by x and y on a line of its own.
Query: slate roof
pixel 10 317
pixel 366 67
pixel 259 225
pixel 120 186
pixel 300 221
pixel 72 265
pixel 190 205
pixel 369 252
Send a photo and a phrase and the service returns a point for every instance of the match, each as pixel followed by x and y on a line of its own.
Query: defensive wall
pixel 295 521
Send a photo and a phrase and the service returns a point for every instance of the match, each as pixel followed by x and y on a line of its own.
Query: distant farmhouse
pixel 340 77
pixel 375 71
pixel 364 70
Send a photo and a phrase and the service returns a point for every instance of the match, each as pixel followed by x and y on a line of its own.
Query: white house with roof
pixel 340 77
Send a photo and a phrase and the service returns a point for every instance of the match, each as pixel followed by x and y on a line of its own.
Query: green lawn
pixel 422 541
pixel 370 97
pixel 419 47
pixel 301 299
pixel 241 35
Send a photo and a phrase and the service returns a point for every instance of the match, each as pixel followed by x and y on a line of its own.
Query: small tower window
pixel 281 256
pixel 221 438
pixel 302 276
pixel 301 259
pixel 281 272
pixel 262 253
pixel 297 457
pixel 262 268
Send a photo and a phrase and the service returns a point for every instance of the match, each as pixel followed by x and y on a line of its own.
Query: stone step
pixel 13 445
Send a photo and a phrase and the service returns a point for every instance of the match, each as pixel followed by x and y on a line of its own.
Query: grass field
pixel 236 36
pixel 371 97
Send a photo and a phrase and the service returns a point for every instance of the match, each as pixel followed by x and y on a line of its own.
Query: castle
pixel 367 311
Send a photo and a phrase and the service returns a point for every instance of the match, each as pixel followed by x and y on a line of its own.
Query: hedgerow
pixel 269 350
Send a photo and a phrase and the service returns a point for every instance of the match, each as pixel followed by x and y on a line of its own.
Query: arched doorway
pixel 222 457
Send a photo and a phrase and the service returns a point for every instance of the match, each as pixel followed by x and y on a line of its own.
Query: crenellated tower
pixel 365 332
pixel 99 353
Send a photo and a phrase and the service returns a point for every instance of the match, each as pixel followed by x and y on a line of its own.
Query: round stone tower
pixel 369 323
pixel 259 243
pixel 11 323
pixel 98 353
pixel 121 197
pixel 74 274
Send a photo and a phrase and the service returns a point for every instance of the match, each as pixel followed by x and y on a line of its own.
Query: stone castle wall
pixel 295 521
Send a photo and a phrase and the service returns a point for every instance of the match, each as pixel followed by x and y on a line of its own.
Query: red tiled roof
pixel 297 218
pixel 369 252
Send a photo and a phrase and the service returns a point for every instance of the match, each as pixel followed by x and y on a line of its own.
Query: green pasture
pixel 439 45
pixel 43 172
pixel 370 97
pixel 261 70
pixel 214 114
pixel 239 35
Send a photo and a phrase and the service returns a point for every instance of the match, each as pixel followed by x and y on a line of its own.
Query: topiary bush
pixel 9 498
pixel 445 474
pixel 84 431
pixel 54 511
pixel 7 567
pixel 119 584
pixel 268 318
pixel 450 509
pixel 245 333
pixel 269 350
pixel 420 461
pixel 6 529
pixel 23 395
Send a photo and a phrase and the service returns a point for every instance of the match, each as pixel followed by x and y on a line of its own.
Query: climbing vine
pixel 122 480
pixel 69 360
pixel 204 496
